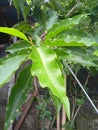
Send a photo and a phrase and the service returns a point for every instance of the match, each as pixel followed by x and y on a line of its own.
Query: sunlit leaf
pixel 13 32
pixel 63 25
pixel 72 37
pixel 96 52
pixel 46 68
pixel 10 63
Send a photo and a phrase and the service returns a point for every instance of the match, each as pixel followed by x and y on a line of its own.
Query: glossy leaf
pixel 63 25
pixel 46 68
pixel 72 37
pixel 13 32
pixel 10 63
pixel 18 96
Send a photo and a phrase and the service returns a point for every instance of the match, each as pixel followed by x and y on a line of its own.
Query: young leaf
pixel 10 63
pixel 46 68
pixel 13 32
pixel 63 25
pixel 18 95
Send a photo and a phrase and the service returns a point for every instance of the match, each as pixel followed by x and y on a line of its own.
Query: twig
pixel 20 121
pixel 2 46
pixel 63 116
pixel 28 105
pixel 43 36
pixel 36 84
pixel 76 113
pixel 75 6
pixel 58 121
pixel 87 79
pixel 73 108
pixel 52 122
pixel 63 109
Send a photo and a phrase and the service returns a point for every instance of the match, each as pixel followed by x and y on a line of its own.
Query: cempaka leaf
pixel 72 37
pixel 76 55
pixel 13 32
pixel 63 25
pixel 18 95
pixel 10 63
pixel 46 68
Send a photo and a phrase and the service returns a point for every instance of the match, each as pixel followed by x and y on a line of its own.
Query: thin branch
pixel 75 6
pixel 73 108
pixel 63 116
pixel 51 126
pixel 28 105
pixel 63 109
pixel 20 121
pixel 76 113
pixel 82 88
pixel 58 121
pixel 87 79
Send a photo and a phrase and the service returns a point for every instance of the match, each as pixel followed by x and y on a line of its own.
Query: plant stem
pixel 20 121
pixel 63 109
pixel 76 113
pixel 70 11
pixel 58 121
pixel 63 116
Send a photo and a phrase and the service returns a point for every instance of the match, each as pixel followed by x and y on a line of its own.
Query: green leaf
pixel 52 20
pixel 72 38
pixel 16 4
pixel 96 53
pixel 23 27
pixel 39 17
pixel 21 7
pixel 46 68
pixel 76 55
pixel 29 1
pixel 63 25
pixel 57 103
pixel 10 63
pixel 13 32
pixel 21 45
pixel 18 96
